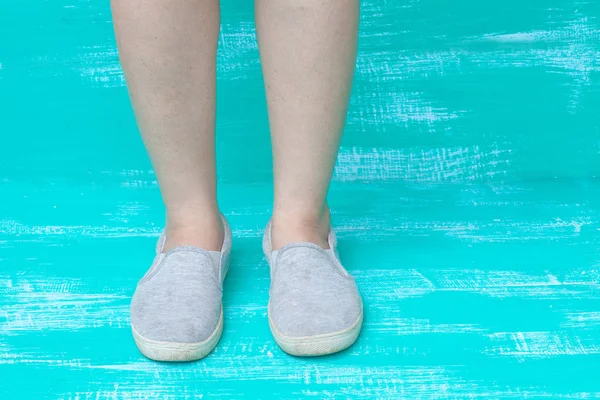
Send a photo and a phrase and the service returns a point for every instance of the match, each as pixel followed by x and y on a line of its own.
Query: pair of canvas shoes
pixel 177 312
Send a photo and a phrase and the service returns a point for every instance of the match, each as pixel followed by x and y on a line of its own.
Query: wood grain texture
pixel 466 199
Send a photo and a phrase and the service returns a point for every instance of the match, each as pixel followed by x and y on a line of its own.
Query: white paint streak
pixel 58 304
pixel 536 345
pixel 401 108
pixel 36 233
pixel 582 319
pixel 510 283
pixel 21 233
pixel 417 326
pixel 436 165
pixel 519 230
pixel 238 53
pixel 99 66
pixel 519 37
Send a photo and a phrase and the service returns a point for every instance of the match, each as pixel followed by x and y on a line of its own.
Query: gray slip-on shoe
pixel 177 309
pixel 314 307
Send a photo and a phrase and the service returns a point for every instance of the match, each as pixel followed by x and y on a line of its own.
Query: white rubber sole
pixel 317 345
pixel 174 351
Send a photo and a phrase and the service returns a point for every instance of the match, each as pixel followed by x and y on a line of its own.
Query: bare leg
pixel 308 53
pixel 168 54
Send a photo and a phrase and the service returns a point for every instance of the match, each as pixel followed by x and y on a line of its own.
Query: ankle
pixel 199 229
pixel 288 227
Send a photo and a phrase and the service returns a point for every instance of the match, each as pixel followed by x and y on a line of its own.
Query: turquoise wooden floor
pixel 470 165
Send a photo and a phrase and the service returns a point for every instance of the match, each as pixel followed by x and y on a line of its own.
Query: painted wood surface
pixel 466 198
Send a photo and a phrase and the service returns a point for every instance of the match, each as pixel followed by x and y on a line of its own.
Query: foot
pixel 314 306
pixel 177 311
